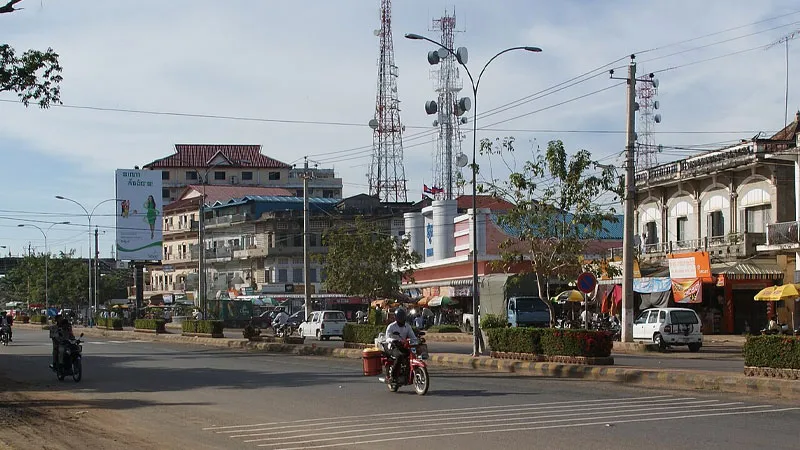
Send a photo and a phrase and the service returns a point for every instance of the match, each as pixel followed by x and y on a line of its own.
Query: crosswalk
pixel 360 430
pixel 124 341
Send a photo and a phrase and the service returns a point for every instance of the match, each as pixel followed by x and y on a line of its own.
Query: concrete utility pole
pixel 630 198
pixel 96 267
pixel 201 269
pixel 306 282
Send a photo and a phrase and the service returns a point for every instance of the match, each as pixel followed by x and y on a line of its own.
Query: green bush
pixel 360 333
pixel 203 326
pixel 39 320
pixel 444 329
pixel 150 324
pixel 780 352
pixel 577 343
pixel 515 340
pixel 493 321
pixel 113 324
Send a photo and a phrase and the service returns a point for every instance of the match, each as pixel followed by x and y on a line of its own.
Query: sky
pixel 316 61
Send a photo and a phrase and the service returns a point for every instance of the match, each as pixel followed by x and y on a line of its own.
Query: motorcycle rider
pixel 398 352
pixel 5 323
pixel 280 320
pixel 60 332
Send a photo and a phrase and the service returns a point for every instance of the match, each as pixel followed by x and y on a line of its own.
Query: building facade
pixel 237 165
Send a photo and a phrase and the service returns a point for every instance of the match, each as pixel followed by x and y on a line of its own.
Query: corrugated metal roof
pixel 274 199
pixel 747 270
pixel 612 230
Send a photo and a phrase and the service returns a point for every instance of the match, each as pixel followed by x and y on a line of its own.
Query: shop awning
pixel 747 270
pixel 440 283
pixel 441 301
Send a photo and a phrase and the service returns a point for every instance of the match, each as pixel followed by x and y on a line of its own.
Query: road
pixel 210 398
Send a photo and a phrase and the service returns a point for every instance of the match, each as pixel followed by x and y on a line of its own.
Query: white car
pixel 323 324
pixel 669 326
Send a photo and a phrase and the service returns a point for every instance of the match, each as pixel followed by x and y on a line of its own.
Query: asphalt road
pixel 210 398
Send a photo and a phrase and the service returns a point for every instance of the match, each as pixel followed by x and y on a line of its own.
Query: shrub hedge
pixel 151 324
pixel 780 352
pixel 113 324
pixel 551 341
pixel 493 321
pixel 444 329
pixel 362 333
pixel 203 326
pixel 39 320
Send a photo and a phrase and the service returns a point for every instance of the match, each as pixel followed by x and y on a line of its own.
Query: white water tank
pixel 415 232
pixel 444 212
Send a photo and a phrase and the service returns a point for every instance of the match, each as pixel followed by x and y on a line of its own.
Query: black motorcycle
pixel 69 360
pixel 5 335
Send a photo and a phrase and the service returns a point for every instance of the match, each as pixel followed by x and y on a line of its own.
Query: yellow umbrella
pixel 423 301
pixel 570 296
pixel 777 293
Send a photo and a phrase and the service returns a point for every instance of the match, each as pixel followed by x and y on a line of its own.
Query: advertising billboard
pixel 139 215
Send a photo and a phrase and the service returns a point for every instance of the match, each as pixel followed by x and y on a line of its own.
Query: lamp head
pixel 413 36
pixel 533 49
pixel 60 197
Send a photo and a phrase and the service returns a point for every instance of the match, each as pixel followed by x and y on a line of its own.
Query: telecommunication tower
pixel 387 179
pixel 646 148
pixel 446 170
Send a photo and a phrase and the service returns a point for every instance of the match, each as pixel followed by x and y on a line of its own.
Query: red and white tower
pixel 387 178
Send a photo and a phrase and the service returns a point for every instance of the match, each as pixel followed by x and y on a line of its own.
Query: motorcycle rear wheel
pixel 60 373
pixel 77 370
pixel 421 380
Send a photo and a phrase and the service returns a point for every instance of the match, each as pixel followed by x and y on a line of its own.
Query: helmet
pixel 400 316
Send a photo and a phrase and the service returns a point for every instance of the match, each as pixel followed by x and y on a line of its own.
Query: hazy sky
pixel 316 61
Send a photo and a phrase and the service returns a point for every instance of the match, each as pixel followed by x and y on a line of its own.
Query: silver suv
pixel 665 327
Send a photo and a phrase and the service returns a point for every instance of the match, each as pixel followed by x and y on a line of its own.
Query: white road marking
pixel 409 435
pixel 472 410
pixel 526 411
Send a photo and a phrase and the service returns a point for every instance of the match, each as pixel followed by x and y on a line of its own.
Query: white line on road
pixel 411 435
pixel 436 411
pixel 450 418
pixel 520 421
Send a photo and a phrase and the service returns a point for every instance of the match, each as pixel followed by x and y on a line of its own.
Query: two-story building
pixel 237 165
pixel 716 207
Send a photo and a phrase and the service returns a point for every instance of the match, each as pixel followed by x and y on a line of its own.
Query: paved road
pixel 210 398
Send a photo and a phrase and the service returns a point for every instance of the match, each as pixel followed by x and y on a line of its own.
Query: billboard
pixel 139 215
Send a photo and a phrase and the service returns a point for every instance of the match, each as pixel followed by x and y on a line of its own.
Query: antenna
pixel 646 148
pixel 785 40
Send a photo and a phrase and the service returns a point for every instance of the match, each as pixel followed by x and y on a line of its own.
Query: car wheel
pixel 659 341
pixel 695 347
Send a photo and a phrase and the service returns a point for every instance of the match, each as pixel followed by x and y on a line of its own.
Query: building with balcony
pixel 237 165
pixel 720 207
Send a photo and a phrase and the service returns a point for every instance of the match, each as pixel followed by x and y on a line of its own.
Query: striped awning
pixel 748 270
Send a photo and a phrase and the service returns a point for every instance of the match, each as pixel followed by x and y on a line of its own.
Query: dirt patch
pixel 42 420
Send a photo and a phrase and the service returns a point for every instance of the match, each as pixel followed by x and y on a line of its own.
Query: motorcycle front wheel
pixel 421 381
pixel 77 370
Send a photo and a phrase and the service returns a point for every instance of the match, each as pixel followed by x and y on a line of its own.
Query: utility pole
pixel 306 281
pixel 201 269
pixel 630 198
pixel 96 267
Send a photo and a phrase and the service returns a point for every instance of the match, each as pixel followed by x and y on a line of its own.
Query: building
pixel 711 214
pixel 237 165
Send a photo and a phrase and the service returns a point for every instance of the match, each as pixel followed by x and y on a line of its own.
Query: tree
pixel 362 260
pixel 555 217
pixel 66 275
pixel 34 76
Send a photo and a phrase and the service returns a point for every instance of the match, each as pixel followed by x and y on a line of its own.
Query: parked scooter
pixel 5 335
pixel 413 372
pixel 69 360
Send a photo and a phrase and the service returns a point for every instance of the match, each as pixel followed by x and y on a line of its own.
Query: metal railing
pixel 746 240
pixel 783 233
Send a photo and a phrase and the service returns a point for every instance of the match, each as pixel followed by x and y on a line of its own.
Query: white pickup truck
pixel 323 324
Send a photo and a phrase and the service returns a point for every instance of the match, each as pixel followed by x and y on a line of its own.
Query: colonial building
pixel 237 165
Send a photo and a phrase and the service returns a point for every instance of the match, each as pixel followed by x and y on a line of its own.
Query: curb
pixel 666 379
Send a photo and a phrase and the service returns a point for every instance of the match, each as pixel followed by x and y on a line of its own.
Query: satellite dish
pixel 660 148
pixel 656 105
pixel 462 55
pixel 465 103
pixel 636 106
pixel 655 82
pixel 657 118
pixel 373 124
pixel 436 123
pixel 443 53
pixel 433 57
pixel 431 107
pixel 463 120
pixel 376 32
pixel 461 160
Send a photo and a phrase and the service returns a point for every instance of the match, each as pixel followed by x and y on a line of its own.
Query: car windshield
pixel 683 317
pixel 336 316
pixel 531 305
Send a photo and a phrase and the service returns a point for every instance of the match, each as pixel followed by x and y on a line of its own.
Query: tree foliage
pixel 556 216
pixel 365 261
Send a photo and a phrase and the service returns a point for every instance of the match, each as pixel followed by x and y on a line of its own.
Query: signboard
pixel 139 215
pixel 690 266
pixel 687 291
pixel 586 282
pixel 166 268
pixel 287 288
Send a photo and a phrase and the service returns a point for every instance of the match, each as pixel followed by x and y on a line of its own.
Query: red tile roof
pixel 484 201
pixel 791 130
pixel 187 203
pixel 227 192
pixel 199 155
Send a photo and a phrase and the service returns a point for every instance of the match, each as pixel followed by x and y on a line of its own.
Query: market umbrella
pixel 441 301
pixel 777 293
pixel 570 296
pixel 423 301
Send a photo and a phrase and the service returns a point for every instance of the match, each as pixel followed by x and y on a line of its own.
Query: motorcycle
pixel 69 360
pixel 413 371
pixel 285 330
pixel 5 335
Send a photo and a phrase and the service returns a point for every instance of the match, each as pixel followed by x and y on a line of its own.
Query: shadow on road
pixel 470 393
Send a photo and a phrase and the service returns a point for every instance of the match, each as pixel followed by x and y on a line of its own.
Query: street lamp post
pixel 89 255
pixel 46 257
pixel 461 58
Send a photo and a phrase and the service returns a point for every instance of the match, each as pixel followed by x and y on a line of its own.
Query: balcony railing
pixel 716 160
pixel 732 244
pixel 192 226
pixel 783 233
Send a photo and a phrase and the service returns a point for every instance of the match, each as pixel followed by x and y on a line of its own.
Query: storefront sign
pixel 720 280
pixel 692 265
pixel 687 291
pixel 462 291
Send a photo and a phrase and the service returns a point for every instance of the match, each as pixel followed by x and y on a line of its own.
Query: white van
pixel 669 326
pixel 323 324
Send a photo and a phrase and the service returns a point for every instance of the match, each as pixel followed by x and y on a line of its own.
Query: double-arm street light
pixel 461 56
pixel 46 257
pixel 89 215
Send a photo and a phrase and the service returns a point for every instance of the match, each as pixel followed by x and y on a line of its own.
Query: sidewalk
pixel 633 376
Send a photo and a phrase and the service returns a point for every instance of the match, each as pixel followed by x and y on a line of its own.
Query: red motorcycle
pixel 413 371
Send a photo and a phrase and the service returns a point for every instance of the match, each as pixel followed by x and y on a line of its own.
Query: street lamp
pixel 461 57
pixel 89 255
pixel 46 257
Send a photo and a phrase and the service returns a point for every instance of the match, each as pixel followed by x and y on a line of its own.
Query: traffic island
pixel 580 360
pixel 203 329
pixel 772 356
